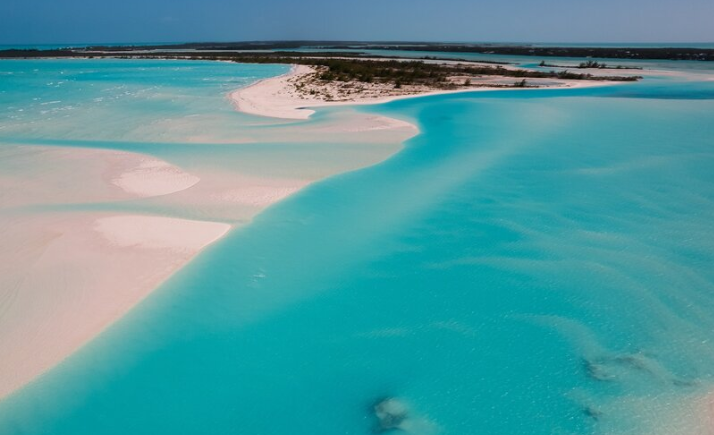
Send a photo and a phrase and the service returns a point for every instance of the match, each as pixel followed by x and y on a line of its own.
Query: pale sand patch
pixel 673 413
pixel 154 232
pixel 370 123
pixel 270 97
pixel 153 177
pixel 256 196
pixel 65 278
pixel 59 175
pixel 236 196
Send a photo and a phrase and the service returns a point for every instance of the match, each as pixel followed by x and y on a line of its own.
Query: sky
pixel 135 21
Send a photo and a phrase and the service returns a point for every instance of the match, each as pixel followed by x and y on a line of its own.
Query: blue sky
pixel 75 21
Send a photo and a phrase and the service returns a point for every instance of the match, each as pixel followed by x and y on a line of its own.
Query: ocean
pixel 534 262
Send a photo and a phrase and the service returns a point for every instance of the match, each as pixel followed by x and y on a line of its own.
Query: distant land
pixel 604 52
pixel 337 72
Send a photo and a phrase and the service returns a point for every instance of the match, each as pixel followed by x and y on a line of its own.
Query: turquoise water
pixel 535 262
pixel 67 99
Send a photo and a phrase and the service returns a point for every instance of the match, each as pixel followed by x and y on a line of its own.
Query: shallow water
pixel 534 262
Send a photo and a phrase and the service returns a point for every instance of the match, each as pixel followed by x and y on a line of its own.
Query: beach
pixel 279 97
pixel 67 275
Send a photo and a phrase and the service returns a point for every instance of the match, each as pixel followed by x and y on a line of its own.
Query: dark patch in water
pixel 592 412
pixel 685 382
pixel 391 414
pixel 597 371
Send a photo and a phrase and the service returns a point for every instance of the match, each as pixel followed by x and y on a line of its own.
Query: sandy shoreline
pixel 275 97
pixel 67 276
pixel 272 97
pixel 74 275
pixel 269 97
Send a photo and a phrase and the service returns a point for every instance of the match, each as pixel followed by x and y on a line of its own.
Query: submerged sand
pixel 67 273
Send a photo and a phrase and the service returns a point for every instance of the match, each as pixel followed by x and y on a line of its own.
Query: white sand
pixel 153 177
pixel 153 232
pixel 256 195
pixel 236 197
pixel 67 277
pixel 270 97
pixel 60 175
pixel 276 98
pixel 370 123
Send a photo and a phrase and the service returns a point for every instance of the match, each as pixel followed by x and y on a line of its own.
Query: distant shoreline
pixel 695 52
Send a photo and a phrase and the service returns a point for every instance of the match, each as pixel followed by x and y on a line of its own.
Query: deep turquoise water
pixel 535 262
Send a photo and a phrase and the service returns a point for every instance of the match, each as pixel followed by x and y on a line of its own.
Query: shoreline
pixel 78 274
pixel 71 275
pixel 274 98
pixel 67 276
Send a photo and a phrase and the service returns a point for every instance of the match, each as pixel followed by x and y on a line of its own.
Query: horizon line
pixel 358 41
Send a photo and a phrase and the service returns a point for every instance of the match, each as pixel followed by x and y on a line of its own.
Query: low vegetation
pixel 589 65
